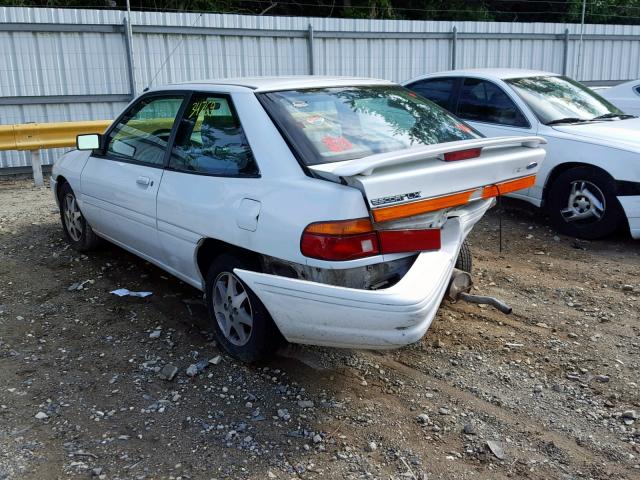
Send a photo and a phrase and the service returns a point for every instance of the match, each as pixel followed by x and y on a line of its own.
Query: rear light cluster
pixel 353 239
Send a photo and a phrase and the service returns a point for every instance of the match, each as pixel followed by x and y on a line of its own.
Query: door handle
pixel 144 181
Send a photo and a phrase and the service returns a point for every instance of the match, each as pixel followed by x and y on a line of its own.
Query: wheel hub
pixel 232 308
pixel 586 203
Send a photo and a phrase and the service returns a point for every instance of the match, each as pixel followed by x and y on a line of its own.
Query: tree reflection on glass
pixel 554 98
pixel 367 120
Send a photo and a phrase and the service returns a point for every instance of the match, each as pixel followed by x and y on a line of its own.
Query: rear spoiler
pixel 366 165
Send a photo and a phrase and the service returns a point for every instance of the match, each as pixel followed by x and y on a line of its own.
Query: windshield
pixel 334 124
pixel 555 99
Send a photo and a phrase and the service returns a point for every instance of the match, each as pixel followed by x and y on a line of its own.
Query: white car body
pixel 167 217
pixel 613 146
pixel 625 96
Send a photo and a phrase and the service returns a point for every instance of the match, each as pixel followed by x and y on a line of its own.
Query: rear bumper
pixel 631 206
pixel 320 314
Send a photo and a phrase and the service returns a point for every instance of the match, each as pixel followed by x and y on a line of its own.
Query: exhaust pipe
pixel 482 299
pixel 460 286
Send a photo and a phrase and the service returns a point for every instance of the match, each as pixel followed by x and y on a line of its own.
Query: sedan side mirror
pixel 89 141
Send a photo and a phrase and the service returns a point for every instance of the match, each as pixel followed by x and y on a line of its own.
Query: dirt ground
pixel 550 391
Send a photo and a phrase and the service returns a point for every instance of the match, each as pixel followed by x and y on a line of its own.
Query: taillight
pixel 353 239
pixel 343 240
pixel 462 154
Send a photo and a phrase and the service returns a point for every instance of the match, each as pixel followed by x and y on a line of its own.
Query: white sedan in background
pixel 327 211
pixel 590 181
pixel 625 96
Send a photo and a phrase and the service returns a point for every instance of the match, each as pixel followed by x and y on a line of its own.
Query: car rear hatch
pixel 429 179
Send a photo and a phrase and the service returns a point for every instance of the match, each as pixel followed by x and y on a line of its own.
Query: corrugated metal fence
pixel 65 64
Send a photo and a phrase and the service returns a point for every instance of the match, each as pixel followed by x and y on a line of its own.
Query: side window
pixel 438 90
pixel 484 101
pixel 210 139
pixel 637 89
pixel 143 133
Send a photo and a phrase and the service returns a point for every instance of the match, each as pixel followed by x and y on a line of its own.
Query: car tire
pixel 242 324
pixel 464 261
pixel 582 203
pixel 76 230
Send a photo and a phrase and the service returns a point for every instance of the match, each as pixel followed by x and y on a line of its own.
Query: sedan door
pixel 488 108
pixel 120 184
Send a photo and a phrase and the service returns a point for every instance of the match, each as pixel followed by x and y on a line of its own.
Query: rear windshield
pixel 334 124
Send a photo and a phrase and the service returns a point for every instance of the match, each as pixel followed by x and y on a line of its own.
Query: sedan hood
pixel 617 133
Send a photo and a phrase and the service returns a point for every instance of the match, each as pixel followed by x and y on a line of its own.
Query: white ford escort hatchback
pixel 327 211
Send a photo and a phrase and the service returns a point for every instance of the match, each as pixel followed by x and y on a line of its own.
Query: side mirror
pixel 90 141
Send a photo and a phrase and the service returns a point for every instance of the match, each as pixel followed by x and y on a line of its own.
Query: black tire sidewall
pixel 558 196
pixel 265 337
pixel 464 261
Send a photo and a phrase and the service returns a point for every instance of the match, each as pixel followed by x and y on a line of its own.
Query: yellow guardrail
pixel 34 136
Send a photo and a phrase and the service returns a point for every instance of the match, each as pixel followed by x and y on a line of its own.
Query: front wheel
pixel 241 322
pixel 582 203
pixel 76 229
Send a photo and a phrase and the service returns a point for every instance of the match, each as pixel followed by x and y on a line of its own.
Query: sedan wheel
pixel 582 203
pixel 232 308
pixel 586 202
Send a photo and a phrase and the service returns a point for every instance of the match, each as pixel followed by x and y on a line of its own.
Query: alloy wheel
pixel 232 308
pixel 586 203
pixel 72 217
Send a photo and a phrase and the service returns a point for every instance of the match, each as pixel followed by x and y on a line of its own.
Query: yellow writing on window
pixel 207 106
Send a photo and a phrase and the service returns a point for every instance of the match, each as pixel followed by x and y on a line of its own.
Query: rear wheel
pixel 76 229
pixel 464 261
pixel 241 322
pixel 582 203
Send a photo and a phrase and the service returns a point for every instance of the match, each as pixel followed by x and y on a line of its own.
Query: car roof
pixel 270 84
pixel 491 73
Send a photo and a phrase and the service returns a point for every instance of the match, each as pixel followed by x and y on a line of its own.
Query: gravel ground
pixel 550 391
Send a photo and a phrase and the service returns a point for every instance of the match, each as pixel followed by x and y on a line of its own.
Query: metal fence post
pixel 565 59
pixel 128 38
pixel 36 166
pixel 454 47
pixel 312 69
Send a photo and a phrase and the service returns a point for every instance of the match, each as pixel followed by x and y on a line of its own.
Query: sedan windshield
pixel 562 100
pixel 343 123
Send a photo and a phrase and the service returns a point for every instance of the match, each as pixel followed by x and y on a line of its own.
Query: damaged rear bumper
pixel 320 314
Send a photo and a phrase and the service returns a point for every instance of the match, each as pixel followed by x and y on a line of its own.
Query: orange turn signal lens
pixel 508 187
pixel 422 206
pixel 343 227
